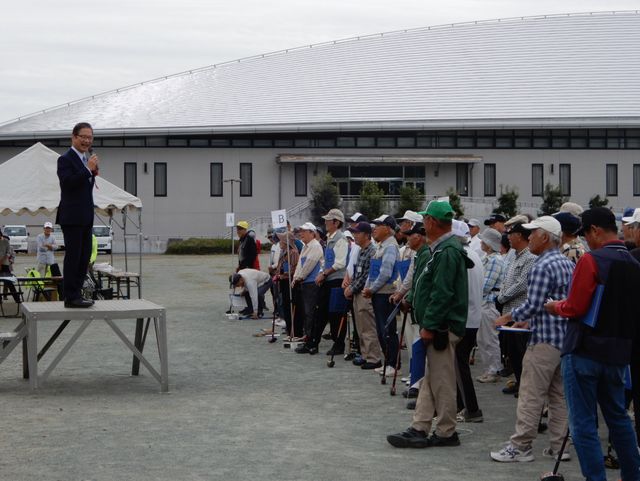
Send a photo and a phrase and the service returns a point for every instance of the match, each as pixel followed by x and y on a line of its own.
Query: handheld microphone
pixel 96 170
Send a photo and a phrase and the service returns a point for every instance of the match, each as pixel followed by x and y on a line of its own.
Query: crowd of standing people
pixel 547 300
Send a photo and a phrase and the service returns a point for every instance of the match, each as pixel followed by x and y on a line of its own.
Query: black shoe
pixel 542 427
pixel 335 350
pixel 80 302
pixel 506 372
pixel 410 393
pixel 326 337
pixel 350 356
pixel 245 312
pixel 304 349
pixel 411 438
pixel 359 361
pixel 437 441
pixel 228 312
pixel 371 365
pixel 411 405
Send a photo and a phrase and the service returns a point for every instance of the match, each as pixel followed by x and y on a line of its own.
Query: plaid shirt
pixel 514 285
pixel 493 274
pixel 549 278
pixel 361 272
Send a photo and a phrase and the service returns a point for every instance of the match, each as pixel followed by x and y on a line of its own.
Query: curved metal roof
pixel 546 71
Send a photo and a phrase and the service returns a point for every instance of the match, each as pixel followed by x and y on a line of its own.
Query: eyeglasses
pixel 85 137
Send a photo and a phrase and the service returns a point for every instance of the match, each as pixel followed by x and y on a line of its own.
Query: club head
pixel 383 380
pixel 392 392
pixel 552 477
pixel 272 339
pixel 331 363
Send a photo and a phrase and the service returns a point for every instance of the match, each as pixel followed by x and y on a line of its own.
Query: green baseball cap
pixel 439 209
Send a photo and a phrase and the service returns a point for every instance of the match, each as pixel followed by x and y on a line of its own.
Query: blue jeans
pixel 588 383
pixel 382 309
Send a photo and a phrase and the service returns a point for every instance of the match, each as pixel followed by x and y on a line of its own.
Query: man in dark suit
pixel 77 170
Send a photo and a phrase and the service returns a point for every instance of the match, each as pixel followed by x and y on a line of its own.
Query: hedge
pixel 199 246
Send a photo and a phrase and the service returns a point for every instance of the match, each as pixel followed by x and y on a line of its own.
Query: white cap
pixel 572 208
pixel 348 234
pixel 308 226
pixel 547 223
pixel 633 219
pixel 473 223
pixel 48 224
pixel 411 216
pixel 459 228
pixel 355 217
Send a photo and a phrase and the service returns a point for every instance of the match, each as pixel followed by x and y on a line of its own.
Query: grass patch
pixel 199 246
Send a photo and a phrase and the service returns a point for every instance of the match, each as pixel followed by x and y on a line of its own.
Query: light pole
pixel 232 181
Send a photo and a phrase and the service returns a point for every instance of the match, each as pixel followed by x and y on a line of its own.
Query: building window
pixel 215 173
pixel 565 179
pixel 246 176
pixel 160 179
pixel 636 179
pixel 612 180
pixel 462 179
pixel 537 180
pixel 131 177
pixel 489 180
pixel 301 180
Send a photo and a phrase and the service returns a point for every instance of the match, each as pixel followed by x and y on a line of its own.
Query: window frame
pixel 611 193
pixel 296 167
pixel 135 177
pixel 567 169
pixel 156 166
pixel 220 183
pixel 492 179
pixel 244 185
pixel 535 193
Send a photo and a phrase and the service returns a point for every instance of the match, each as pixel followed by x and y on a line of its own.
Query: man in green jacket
pixel 440 303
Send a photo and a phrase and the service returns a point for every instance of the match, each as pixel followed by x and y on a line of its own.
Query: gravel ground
pixel 239 408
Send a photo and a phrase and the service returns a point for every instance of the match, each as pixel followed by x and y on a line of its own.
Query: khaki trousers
pixel 438 391
pixel 488 342
pixel 370 349
pixel 541 379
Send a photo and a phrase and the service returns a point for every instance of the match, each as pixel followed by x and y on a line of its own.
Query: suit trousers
pixel 77 240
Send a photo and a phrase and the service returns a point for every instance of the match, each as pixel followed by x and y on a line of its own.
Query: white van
pixel 59 237
pixel 19 237
pixel 104 235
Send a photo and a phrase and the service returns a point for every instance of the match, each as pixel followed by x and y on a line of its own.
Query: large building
pixel 476 106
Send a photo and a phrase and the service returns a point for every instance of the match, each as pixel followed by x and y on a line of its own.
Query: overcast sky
pixel 53 52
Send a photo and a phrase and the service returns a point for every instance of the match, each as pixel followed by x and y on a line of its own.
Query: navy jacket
pixel 76 191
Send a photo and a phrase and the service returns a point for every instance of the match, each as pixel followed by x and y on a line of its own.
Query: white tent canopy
pixel 29 185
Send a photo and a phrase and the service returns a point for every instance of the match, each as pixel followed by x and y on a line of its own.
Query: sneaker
pixel 488 377
pixel 304 349
pixel 280 322
pixel 439 441
pixel 506 372
pixel 466 417
pixel 379 369
pixel 511 454
pixel 549 453
pixel 410 393
pixel 510 389
pixel 299 339
pixel 359 361
pixel 411 405
pixel 389 372
pixel 411 438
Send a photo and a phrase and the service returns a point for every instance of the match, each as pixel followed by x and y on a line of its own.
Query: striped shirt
pixel 548 279
pixel 514 284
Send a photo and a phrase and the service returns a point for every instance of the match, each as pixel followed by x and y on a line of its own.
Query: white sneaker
pixel 511 454
pixel 379 369
pixel 549 453
pixel 389 372
pixel 488 377
pixel 280 323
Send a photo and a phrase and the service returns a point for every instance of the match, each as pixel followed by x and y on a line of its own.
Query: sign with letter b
pixel 279 218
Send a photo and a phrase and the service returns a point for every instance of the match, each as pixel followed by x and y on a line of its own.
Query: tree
pixel 456 203
pixel 597 201
pixel 371 200
pixel 552 200
pixel 507 202
pixel 410 199
pixel 324 197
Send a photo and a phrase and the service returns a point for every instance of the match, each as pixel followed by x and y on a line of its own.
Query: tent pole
pixel 111 231
pixel 124 227
pixel 140 253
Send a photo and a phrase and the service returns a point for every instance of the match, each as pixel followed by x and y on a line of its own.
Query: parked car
pixel 104 235
pixel 19 237
pixel 57 235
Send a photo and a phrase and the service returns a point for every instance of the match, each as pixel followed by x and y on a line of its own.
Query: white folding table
pixel 107 311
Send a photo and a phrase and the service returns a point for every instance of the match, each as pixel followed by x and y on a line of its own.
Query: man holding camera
pixel 440 304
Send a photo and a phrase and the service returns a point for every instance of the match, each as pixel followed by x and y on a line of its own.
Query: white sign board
pixel 279 218
pixel 231 219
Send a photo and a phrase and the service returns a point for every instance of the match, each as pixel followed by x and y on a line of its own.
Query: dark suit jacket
pixel 76 191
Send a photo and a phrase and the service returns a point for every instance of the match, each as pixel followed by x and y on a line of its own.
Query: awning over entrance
pixel 391 159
